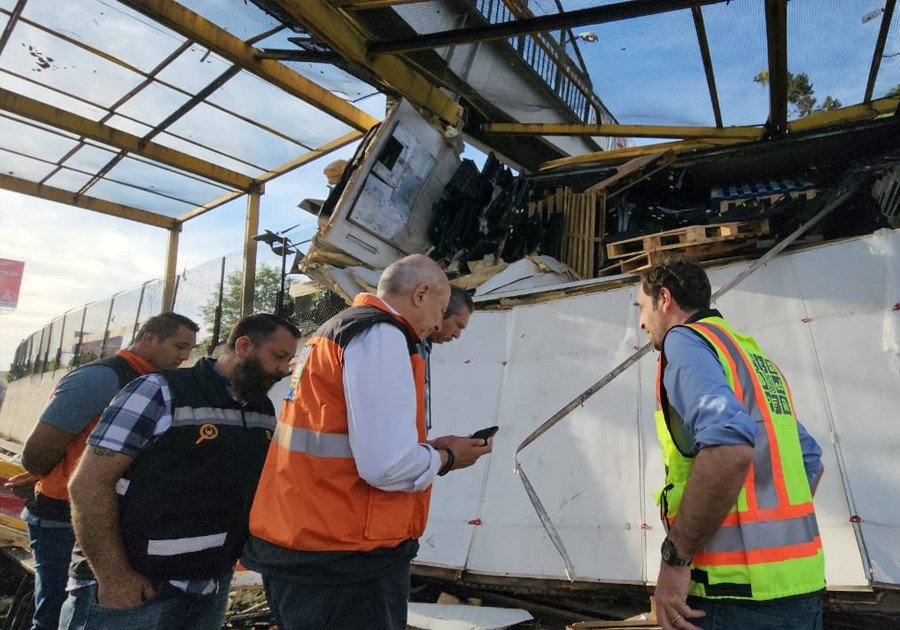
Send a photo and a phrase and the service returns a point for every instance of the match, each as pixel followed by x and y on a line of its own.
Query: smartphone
pixel 484 434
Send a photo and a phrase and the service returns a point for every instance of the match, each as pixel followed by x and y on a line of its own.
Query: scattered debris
pixel 463 617
pixel 758 196
pixel 528 273
pixel 886 192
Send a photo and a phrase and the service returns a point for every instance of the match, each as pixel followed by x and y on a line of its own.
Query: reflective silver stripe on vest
pixel 749 536
pixel 195 416
pixel 176 546
pixel 299 440
pixel 257 420
pixel 764 483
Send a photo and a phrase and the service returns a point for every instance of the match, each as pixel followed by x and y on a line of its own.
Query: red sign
pixel 10 281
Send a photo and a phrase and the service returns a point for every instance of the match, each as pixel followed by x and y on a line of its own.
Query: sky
pixel 646 70
pixel 74 256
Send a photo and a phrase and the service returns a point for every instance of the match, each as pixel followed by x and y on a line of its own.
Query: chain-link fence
pixel 209 294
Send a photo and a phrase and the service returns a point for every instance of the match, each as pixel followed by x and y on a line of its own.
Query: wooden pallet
pixel 583 226
pixel 683 237
pixel 703 251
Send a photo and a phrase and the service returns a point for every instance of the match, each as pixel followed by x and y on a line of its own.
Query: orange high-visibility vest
pixel 310 495
pixel 54 484
pixel 768 545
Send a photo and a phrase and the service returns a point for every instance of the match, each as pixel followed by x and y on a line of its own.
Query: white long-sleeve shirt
pixel 381 413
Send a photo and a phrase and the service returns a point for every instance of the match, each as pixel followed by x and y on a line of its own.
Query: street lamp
pixel 279 246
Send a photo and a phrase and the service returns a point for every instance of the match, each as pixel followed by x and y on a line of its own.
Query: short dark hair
pixel 459 299
pixel 165 325
pixel 685 279
pixel 259 327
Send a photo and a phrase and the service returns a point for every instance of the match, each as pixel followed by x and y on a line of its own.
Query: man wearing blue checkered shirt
pixel 161 498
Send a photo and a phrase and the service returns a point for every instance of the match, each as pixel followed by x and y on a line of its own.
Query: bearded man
pixel 161 498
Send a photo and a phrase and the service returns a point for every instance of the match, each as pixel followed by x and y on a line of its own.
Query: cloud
pixel 72 256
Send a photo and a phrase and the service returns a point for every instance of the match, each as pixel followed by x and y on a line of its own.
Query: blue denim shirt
pixel 696 386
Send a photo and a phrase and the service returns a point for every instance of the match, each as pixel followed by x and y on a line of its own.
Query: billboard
pixel 10 281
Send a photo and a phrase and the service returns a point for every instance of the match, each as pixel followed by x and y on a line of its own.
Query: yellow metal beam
pixel 820 120
pixel 313 155
pixel 251 229
pixel 168 296
pixel 853 113
pixel 623 131
pixel 25 187
pixel 193 26
pixel 67 121
pixel 347 40
pixel 287 167
pixel 609 156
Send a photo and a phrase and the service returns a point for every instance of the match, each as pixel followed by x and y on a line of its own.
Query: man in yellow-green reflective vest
pixel 742 550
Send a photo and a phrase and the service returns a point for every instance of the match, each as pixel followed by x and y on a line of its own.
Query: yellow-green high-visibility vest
pixel 768 545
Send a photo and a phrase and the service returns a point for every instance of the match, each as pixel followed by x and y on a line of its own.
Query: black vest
pixel 185 501
pixel 54 509
pixel 350 322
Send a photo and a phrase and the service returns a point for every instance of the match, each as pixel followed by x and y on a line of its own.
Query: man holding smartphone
pixel 345 490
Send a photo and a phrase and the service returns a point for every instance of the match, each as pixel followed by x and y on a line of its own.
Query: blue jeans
pixel 51 546
pixel 803 612
pixel 169 609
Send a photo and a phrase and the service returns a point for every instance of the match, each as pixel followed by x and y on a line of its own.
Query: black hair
pixel 259 327
pixel 459 299
pixel 684 278
pixel 165 325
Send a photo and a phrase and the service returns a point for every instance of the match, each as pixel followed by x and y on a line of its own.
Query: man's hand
pixel 671 594
pixel 466 450
pixel 443 441
pixel 127 589
pixel 21 485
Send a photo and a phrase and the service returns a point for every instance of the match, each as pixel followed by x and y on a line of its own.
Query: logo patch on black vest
pixel 207 432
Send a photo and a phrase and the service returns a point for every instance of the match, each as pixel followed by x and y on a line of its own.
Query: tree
pixel 893 92
pixel 268 280
pixel 801 93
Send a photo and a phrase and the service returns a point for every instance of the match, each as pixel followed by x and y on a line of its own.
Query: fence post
pixel 137 315
pixel 62 333
pixel 175 292
pixel 217 323
pixel 47 351
pixel 76 356
pixel 38 363
pixel 112 302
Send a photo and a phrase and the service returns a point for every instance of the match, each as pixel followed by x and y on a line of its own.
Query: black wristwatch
pixel 670 555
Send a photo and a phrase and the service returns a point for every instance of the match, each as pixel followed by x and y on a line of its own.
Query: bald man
pixel 345 490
